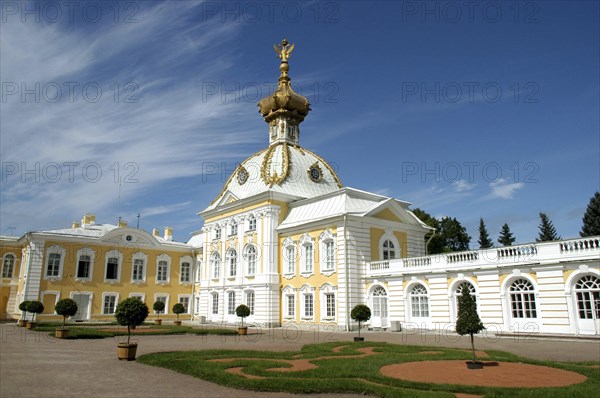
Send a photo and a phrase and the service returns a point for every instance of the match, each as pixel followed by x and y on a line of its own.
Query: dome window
pixel 315 173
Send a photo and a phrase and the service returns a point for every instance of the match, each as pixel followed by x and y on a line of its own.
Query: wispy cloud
pixel 462 186
pixel 504 190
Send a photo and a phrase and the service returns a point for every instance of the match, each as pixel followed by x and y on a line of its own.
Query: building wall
pixel 9 279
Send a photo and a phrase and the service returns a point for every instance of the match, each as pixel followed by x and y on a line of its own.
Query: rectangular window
pixel 112 268
pixel 252 224
pixel 184 275
pixel 138 270
pixel 291 259
pixel 186 303
pixel 196 305
pixel 197 273
pixel 53 264
pixel 218 233
pixel 162 272
pixel 329 256
pixel 83 267
pixel 330 305
pixel 215 303
pixel 234 229
pixel 231 303
pixel 291 305
pixel 308 305
pixel 110 301
pixel 8 266
pixel 250 302
pixel 308 258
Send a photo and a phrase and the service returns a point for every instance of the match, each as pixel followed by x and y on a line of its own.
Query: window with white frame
pixel 251 259
pixel 8 265
pixel 232 262
pixel 196 305
pixel 289 257
pixel 215 264
pixel 308 257
pixel 379 302
pixel 163 298
pixel 389 250
pixel 231 303
pixel 218 233
pixel 233 228
pixel 251 223
pixel 112 268
pixel 307 302
pixel 327 302
pixel 327 253
pixel 215 303
pixel 522 299
pixel 85 264
pixel 290 305
pixel 587 292
pixel 250 301
pixel 54 261
pixel 138 270
pixel 109 303
pixel 185 270
pixel 162 271
pixel 185 301
pixel 419 301
pixel 141 296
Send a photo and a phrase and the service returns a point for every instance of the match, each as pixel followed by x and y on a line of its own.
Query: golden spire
pixel 284 50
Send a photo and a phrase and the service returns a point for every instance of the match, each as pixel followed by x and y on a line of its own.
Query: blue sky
pixel 484 109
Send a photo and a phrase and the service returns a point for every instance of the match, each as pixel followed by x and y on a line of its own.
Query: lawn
pixel 100 331
pixel 338 367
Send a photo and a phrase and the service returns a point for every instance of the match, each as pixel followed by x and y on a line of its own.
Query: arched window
pixel 215 264
pixel 587 291
pixel 419 301
pixel 522 299
pixel 232 262
pixel 389 251
pixel 251 259
pixel 8 266
pixel 379 302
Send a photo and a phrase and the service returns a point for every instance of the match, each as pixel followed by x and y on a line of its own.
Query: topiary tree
pixel 360 313
pixel 159 307
pixel 178 309
pixel 23 308
pixel 242 311
pixel 468 321
pixel 65 307
pixel 131 312
pixel 35 307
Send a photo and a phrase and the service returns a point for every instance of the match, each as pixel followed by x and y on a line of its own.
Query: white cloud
pixel 504 190
pixel 462 185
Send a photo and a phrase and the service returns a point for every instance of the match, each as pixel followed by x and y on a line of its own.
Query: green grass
pixel 99 331
pixel 356 375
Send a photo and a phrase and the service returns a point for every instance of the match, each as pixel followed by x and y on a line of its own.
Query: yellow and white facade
pixel 286 238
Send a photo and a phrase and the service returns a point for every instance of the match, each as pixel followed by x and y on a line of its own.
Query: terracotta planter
pixel 126 351
pixel 158 321
pixel 21 323
pixel 61 333
pixel 30 325
pixel 243 331
pixel 474 365
pixel 359 339
pixel 177 323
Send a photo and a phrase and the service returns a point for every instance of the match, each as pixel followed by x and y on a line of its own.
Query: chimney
pixel 75 224
pixel 88 220
pixel 155 232
pixel 122 224
pixel 168 233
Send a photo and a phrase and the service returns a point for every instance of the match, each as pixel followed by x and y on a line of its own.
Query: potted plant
pixel 360 313
pixel 178 309
pixel 65 307
pixel 242 311
pixel 468 322
pixel 159 307
pixel 35 307
pixel 131 312
pixel 23 307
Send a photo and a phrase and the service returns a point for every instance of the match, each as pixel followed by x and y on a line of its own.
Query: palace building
pixel 288 239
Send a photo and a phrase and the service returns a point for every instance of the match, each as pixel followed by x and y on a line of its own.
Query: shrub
pixel 178 309
pixel 66 307
pixel 131 312
pixel 360 313
pixel 23 307
pixel 35 307
pixel 242 311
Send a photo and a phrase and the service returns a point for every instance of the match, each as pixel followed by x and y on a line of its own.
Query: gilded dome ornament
pixel 242 175
pixel 315 173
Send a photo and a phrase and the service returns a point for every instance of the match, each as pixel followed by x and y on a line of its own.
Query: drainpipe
pixel 347 278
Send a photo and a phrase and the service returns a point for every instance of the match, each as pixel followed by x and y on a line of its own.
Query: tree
pixel 591 218
pixel 454 234
pixel 468 321
pixel 547 230
pixel 131 312
pixel 178 309
pixel 65 307
pixel 360 313
pixel 484 238
pixel 436 243
pixel 23 308
pixel 159 307
pixel 242 311
pixel 506 237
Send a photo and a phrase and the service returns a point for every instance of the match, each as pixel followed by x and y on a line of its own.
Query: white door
pixel 587 296
pixel 379 300
pixel 83 307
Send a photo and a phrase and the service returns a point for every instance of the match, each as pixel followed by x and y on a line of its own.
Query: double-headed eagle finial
pixel 284 50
